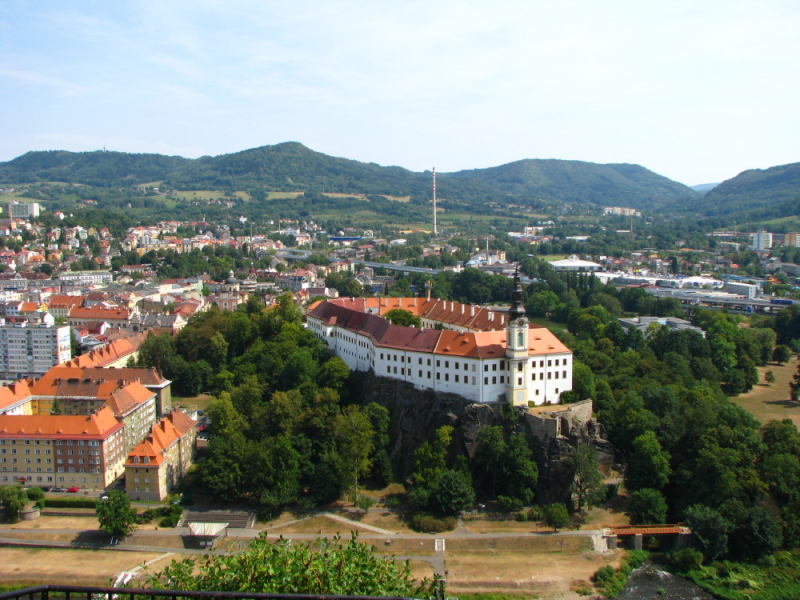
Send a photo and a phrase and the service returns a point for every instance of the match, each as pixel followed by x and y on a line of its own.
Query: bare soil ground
pixel 78 523
pixel 552 574
pixel 770 402
pixel 67 566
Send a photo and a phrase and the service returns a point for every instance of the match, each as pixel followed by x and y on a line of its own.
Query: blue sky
pixel 697 91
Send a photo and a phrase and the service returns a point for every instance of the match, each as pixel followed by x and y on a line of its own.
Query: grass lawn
pixel 195 402
pixel 770 402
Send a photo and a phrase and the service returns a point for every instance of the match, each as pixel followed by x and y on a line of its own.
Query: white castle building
pixel 482 355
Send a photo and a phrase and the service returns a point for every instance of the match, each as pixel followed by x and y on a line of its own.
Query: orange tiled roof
pixel 100 424
pixel 99 313
pixel 64 301
pixel 116 350
pixel 14 392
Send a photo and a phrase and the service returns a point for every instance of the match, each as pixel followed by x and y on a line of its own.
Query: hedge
pixel 70 502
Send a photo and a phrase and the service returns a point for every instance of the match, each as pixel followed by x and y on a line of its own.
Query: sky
pixel 697 91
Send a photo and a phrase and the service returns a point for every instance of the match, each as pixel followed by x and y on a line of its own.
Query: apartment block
pixel 31 349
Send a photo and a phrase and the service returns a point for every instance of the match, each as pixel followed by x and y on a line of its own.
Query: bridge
pixel 637 533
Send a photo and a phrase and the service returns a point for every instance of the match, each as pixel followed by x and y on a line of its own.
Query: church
pixel 478 353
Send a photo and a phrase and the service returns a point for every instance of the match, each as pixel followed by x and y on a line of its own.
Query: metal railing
pixel 76 592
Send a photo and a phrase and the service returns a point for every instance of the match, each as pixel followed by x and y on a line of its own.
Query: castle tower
pixel 517 349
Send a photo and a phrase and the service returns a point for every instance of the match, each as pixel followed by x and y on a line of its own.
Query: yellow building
pixel 161 459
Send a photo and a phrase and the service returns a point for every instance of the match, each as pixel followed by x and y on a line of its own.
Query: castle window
pixel 565 375
pixel 456 378
pixel 519 338
pixel 429 374
pixel 494 380
pixel 556 390
pixel 485 367
pixel 519 366
pixel 485 381
pixel 519 380
pixel 494 366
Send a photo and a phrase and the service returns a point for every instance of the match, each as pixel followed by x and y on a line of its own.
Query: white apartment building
pixel 519 364
pixel 762 240
pixel 31 349
pixel 87 277
pixel 23 210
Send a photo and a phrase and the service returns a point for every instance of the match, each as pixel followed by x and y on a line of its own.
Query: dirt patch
pixel 404 547
pixel 540 544
pixel 77 522
pixel 549 574
pixel 317 525
pixel 771 402
pixel 68 566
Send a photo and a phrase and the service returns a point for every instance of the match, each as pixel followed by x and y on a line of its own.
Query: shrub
pixel 427 523
pixel 686 559
pixel 71 503
pixel 40 503
pixel 394 501
pixel 535 513
pixel 34 494
pixel 364 502
pixel 522 516
pixel 172 514
pixel 508 503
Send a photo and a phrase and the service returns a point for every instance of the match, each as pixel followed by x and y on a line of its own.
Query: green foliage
pixel 13 499
pixel 647 507
pixel 782 354
pixel 686 559
pixel 321 567
pixel 427 523
pixel 34 493
pixel 556 516
pixel 774 579
pixel 709 531
pixel 453 493
pixel 404 318
pixel 648 465
pixel 610 582
pixel 586 478
pixel 71 503
pixel 115 515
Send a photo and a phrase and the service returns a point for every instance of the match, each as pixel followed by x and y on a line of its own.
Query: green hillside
pixel 292 166
pixel 98 168
pixel 626 185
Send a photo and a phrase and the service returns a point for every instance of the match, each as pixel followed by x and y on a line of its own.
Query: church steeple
pixel 517 310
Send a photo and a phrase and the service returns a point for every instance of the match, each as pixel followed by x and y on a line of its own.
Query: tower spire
pixel 517 310
pixel 435 232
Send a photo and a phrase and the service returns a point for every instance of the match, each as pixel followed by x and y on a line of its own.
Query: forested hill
pixel 292 166
pixel 627 185
pixel 752 196
pixel 98 168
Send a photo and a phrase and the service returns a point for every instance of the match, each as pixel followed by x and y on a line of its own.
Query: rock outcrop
pixel 416 414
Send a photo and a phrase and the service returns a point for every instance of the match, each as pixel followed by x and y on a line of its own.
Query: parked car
pixel 58 489
pixel 103 496
pixel 46 488
pixel 72 490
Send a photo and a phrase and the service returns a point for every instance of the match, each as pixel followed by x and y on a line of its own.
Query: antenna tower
pixel 435 232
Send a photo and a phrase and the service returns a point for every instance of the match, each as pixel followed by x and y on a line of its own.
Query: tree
pixel 14 500
pixel 355 436
pixel 709 531
pixel 586 479
pixel 404 318
pixel 648 465
pixel 556 516
pixel 769 377
pixel 115 515
pixel 794 385
pixel 647 507
pixel 453 493
pixel 782 354
pixel 321 567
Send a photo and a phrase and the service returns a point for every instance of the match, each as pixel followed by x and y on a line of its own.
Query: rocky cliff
pixel 416 414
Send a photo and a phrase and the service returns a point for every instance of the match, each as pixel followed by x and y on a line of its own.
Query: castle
pixel 480 354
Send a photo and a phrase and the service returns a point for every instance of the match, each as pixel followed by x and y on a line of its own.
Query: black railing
pixel 79 592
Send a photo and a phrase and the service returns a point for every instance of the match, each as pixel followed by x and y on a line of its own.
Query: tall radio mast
pixel 435 232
